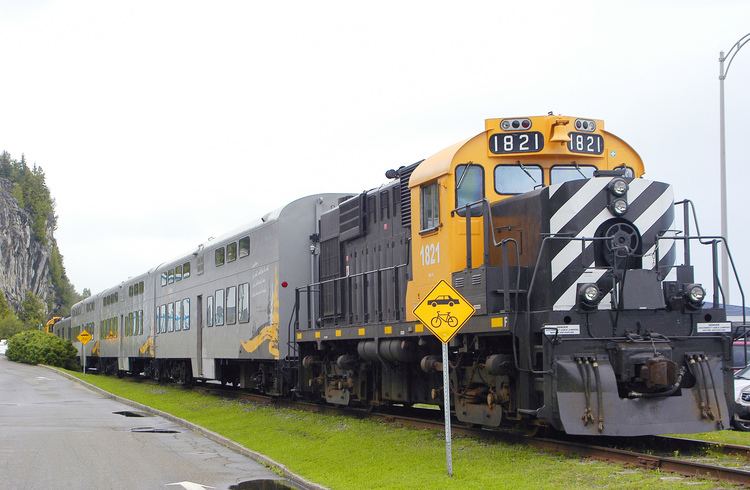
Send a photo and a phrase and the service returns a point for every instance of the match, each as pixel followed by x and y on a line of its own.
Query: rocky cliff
pixel 24 260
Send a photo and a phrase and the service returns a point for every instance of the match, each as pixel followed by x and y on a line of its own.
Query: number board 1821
pixel 525 142
pixel 586 143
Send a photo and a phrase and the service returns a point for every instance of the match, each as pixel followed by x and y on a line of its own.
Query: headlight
pixel 618 187
pixel 618 207
pixel 588 295
pixel 695 294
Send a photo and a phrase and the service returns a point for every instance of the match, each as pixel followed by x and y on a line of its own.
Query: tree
pixel 32 310
pixel 86 293
pixel 4 307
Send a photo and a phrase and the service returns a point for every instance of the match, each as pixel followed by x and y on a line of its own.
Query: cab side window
pixel 430 207
pixel 469 188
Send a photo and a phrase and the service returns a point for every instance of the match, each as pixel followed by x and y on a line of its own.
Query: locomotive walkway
pixel 57 434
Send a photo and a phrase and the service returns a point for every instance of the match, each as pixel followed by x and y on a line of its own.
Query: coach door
pixel 199 335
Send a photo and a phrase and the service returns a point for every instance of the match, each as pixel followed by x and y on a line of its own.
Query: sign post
pixel 84 337
pixel 444 311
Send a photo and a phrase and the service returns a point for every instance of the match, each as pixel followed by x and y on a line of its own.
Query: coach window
pixel 469 187
pixel 130 291
pixel 430 207
pixel 517 179
pixel 231 305
pixel 170 276
pixel 186 314
pixel 219 295
pixel 140 287
pixel 140 320
pixel 177 315
pixel 244 246
pixel 158 319
pixel 186 270
pixel 163 278
pixel 232 252
pixel 210 311
pixel 244 307
pixel 219 256
pixel 178 273
pixel 170 317
pixel 566 173
pixel 129 331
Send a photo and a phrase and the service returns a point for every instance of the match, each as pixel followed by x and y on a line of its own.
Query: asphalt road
pixel 55 433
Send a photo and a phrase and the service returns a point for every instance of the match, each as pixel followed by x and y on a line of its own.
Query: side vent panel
pixel 404 173
pixel 352 218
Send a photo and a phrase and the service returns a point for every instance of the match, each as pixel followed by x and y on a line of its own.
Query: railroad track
pixel 670 454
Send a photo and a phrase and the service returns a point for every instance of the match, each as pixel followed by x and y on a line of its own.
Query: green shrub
pixel 37 347
pixel 10 325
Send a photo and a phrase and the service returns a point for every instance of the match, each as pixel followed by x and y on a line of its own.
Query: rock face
pixel 24 261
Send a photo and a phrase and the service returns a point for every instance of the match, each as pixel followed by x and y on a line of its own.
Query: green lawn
pixel 725 436
pixel 344 452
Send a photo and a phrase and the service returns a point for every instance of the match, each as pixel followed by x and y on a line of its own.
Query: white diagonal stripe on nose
pixel 572 249
pixel 573 205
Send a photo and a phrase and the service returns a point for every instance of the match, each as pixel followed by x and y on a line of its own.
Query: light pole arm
pixel 729 57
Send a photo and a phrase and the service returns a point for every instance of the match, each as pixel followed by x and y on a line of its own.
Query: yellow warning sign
pixel 84 337
pixel 444 311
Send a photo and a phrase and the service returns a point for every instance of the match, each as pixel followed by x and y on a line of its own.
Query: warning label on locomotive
pixel 716 327
pixel 444 311
pixel 562 329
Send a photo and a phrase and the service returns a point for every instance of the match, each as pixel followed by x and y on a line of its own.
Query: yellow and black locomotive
pixel 583 319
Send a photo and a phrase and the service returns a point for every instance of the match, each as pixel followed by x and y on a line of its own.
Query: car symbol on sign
pixel 443 299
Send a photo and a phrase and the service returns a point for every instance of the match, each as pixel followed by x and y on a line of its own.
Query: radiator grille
pixel 404 174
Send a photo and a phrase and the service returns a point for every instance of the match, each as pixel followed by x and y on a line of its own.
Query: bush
pixel 10 325
pixel 35 347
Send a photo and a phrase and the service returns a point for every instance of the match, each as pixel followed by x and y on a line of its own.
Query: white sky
pixel 161 123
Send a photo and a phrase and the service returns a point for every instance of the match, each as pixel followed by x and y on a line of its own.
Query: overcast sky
pixel 161 123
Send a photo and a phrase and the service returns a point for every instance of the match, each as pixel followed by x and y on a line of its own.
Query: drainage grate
pixel 154 430
pixel 264 485
pixel 129 413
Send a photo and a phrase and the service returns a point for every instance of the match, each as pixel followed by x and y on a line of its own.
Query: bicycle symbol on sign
pixel 439 318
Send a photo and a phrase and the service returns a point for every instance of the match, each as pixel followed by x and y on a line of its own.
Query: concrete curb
pixel 218 438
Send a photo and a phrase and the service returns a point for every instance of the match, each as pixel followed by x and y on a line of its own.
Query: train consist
pixel 585 320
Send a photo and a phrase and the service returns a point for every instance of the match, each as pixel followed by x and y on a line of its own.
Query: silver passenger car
pixel 221 312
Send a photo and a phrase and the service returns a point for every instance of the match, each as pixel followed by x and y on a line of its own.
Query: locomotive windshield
pixel 565 173
pixel 518 178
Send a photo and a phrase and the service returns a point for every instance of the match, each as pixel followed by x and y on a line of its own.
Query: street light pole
pixel 723 177
pixel 723 70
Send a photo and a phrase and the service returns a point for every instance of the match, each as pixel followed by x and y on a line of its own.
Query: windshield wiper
pixel 527 172
pixel 579 170
pixel 463 175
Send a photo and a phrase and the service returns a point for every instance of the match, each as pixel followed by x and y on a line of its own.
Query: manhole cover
pixel 130 413
pixel 154 430
pixel 264 485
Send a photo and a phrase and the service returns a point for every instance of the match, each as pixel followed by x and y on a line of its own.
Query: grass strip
pixel 343 452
